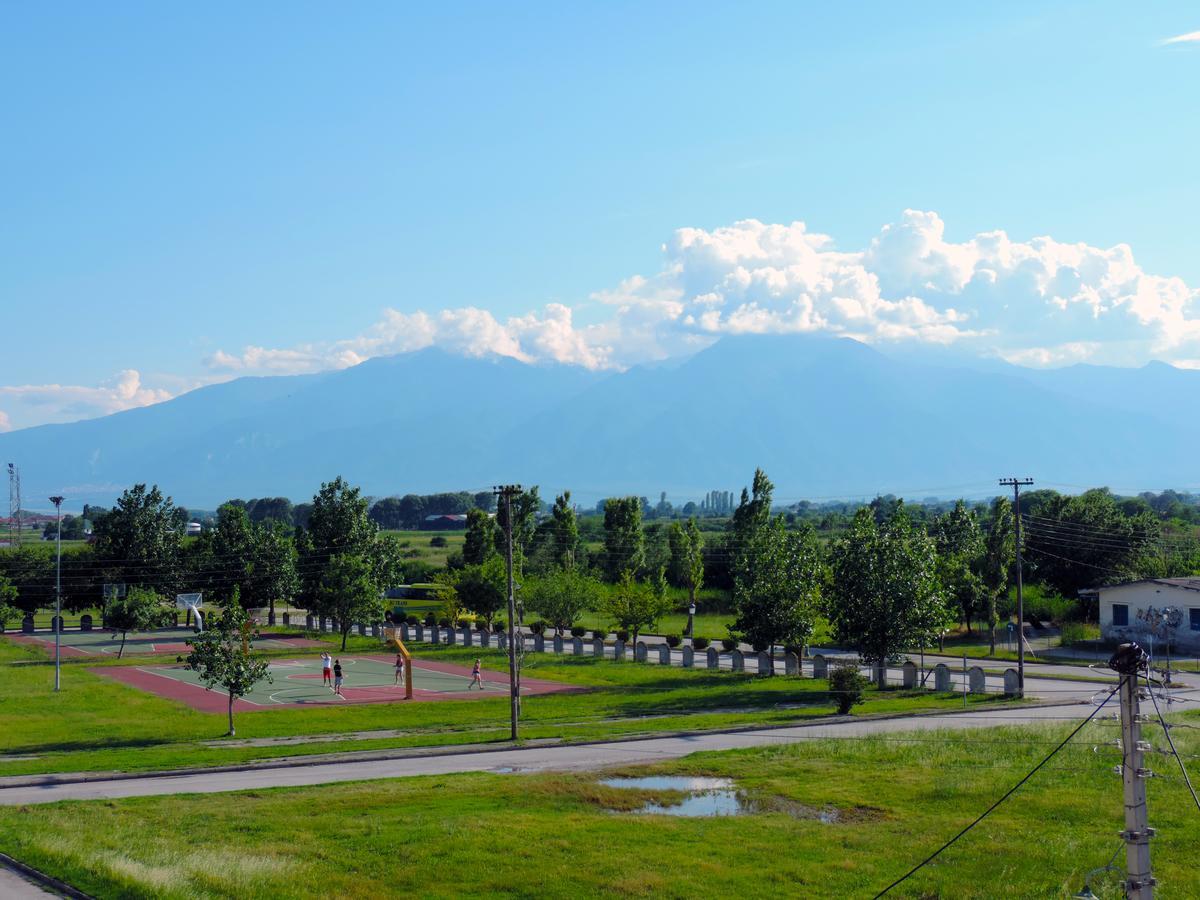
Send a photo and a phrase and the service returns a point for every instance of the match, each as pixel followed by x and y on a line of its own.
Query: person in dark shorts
pixel 337 677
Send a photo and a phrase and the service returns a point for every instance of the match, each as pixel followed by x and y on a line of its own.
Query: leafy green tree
pixel 31 572
pixel 752 513
pixel 999 554
pixel 482 588
pixel 338 525
pixel 230 550
pixel 561 596
pixel 884 591
pixel 525 507
pixel 624 542
pixel 223 657
pixel 348 593
pixel 777 594
pixel 635 605
pixel 480 540
pixel 139 540
pixel 565 531
pixel 8 599
pixel 273 577
pixel 687 557
pixel 960 557
pixel 141 609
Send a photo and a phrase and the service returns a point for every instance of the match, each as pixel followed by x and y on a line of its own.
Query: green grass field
pixel 832 819
pixel 95 724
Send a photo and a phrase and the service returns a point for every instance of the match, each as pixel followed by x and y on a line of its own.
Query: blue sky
pixel 184 183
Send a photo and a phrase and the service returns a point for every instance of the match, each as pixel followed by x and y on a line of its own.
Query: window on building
pixel 1120 614
pixel 1194 617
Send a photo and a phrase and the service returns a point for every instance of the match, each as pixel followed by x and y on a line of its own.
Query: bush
pixel 499 626
pixel 674 640
pixel 438 540
pixel 759 647
pixel 464 623
pixel 538 627
pixel 847 686
pixel 700 643
pixel 728 644
pixel 430 619
pixel 443 622
pixel 413 620
pixel 599 635
pixel 578 631
pixel 481 626
pixel 622 635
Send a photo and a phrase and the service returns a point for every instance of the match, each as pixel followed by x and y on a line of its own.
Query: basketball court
pixel 298 683
pixel 141 643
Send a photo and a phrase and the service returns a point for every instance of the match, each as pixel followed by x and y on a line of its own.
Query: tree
pixel 960 556
pixel 480 540
pixel 565 531
pixel 525 507
pixel 139 610
pixel 561 596
pixel 8 599
pixel 140 541
pixel 483 587
pixel 999 553
pixel 885 593
pixel 222 656
pixel 348 593
pixel 273 577
pixel 230 548
pixel 754 510
pixel 778 592
pixel 635 605
pixel 687 557
pixel 624 543
pixel 337 525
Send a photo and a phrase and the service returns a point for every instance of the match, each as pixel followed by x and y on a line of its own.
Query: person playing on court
pixel 337 677
pixel 399 668
pixel 326 668
pixel 476 675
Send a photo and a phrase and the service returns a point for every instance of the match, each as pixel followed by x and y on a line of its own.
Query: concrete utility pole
pixel 506 492
pixel 57 501
pixel 1017 484
pixel 1129 661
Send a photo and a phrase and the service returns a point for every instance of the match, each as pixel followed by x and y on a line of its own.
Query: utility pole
pixel 1130 660
pixel 14 505
pixel 1017 484
pixel 506 492
pixel 57 501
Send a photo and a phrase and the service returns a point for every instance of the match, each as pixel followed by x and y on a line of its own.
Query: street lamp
pixel 691 616
pixel 57 501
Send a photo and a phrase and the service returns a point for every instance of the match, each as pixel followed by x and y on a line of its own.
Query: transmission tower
pixel 14 504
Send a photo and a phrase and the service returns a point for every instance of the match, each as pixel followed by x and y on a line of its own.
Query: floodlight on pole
pixel 57 501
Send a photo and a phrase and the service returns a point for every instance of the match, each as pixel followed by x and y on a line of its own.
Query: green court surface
pixel 367 679
pixel 163 640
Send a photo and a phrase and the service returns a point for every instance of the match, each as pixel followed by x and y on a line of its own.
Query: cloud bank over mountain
pixel 1035 303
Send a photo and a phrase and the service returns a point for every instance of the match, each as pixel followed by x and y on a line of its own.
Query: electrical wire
pixel 1171 743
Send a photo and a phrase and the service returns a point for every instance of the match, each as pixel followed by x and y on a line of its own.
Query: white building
pixel 194 529
pixel 1128 611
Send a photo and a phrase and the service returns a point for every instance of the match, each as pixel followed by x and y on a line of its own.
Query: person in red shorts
pixel 327 669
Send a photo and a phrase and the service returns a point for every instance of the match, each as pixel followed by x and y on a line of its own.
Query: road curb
pixel 314 760
pixel 42 879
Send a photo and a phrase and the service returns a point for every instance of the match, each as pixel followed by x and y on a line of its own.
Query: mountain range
pixel 825 417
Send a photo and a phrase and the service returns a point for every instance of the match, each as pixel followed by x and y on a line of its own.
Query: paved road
pixel 14 887
pixel 578 757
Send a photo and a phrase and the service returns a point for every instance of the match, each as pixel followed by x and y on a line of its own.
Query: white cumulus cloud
pixel 1192 37
pixel 67 402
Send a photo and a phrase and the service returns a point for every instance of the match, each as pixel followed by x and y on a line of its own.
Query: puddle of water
pixel 706 797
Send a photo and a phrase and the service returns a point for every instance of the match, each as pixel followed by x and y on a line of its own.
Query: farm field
pixel 815 825
pixel 98 724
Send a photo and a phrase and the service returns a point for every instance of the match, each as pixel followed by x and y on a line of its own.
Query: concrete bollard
pixel 309 622
pixel 502 641
pixel 485 639
pixel 56 624
pixel 539 643
pixel 85 622
pixel 639 651
pixel 577 646
pixel 1012 684
pixel 362 629
pixel 287 620
pixel 714 658
pixel 466 636
pixel 598 648
pixel 619 650
pixel 941 678
pixel 909 670
pixel 450 637
pixel 558 643
pixel 664 655
pixel 976 680
pixel 404 632
pixel 879 673
pixel 738 659
pixel 791 664
pixel 689 657
pixel 820 666
pixel 419 632
pixel 27 625
pixel 435 636
pixel 765 663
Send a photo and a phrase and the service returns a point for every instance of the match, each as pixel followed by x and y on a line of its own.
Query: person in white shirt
pixel 327 669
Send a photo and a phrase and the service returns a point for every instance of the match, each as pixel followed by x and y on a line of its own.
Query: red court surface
pixel 297 683
pixel 163 641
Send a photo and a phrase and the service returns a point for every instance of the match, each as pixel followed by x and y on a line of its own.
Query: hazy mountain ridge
pixel 826 417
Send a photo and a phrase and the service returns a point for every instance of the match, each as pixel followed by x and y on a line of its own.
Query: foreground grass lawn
pixel 95 724
pixel 895 799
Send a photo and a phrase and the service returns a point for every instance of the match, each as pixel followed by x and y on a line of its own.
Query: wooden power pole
pixel 1017 484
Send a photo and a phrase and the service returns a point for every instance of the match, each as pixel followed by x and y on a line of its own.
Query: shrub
pixel 847 686
pixel 578 631
pixel 759 647
pixel 464 623
pixel 700 643
pixel 443 622
pixel 599 635
pixel 413 620
pixel 728 644
pixel 674 640
pixel 430 619
pixel 538 627
pixel 481 625
pixel 622 634
pixel 438 540
pixel 499 626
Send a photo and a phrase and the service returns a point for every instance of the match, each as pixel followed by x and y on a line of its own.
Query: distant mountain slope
pixel 824 416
